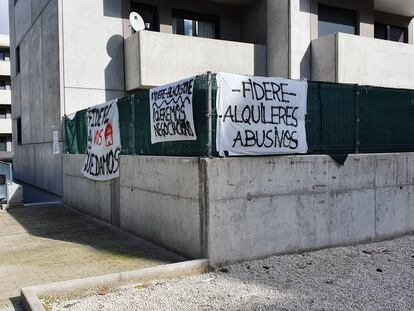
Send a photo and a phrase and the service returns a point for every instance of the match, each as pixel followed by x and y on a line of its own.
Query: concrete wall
pixel 4 68
pixel 264 206
pixel 71 57
pixel 88 196
pixel 293 24
pixel 160 201
pixel 4 40
pixel 365 61
pixel 5 126
pixel 35 91
pixel 244 208
pixel 154 58
pixel 92 39
pixel 5 97
pixel 157 198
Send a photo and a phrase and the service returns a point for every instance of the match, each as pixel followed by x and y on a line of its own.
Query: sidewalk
pixel 44 244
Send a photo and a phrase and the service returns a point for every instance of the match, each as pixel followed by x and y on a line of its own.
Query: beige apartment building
pixel 70 54
pixel 5 100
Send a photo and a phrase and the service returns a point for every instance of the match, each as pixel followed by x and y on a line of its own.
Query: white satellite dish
pixel 137 22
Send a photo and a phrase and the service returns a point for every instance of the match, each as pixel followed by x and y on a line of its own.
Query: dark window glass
pixel 391 33
pixel 18 60
pixel 195 24
pixel 333 20
pixel 19 130
pixel 3 144
pixel 398 34
pixel 3 113
pixel 381 31
pixel 2 85
pixel 2 55
pixel 149 14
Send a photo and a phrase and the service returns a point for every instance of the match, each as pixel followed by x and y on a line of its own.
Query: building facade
pixel 5 100
pixel 68 55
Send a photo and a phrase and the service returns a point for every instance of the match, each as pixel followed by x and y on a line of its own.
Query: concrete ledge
pixel 32 302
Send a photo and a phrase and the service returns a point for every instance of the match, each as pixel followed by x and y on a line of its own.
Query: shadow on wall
pixel 306 6
pixel 306 64
pixel 114 71
pixel 115 68
pixel 260 60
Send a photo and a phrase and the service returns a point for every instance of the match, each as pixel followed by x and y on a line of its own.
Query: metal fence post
pixel 209 116
pixel 132 125
pixel 357 121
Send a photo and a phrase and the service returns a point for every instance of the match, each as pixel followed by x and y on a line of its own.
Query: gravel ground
pixel 377 276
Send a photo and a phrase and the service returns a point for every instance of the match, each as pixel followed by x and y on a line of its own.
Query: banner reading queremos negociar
pixel 260 115
pixel 104 142
pixel 171 112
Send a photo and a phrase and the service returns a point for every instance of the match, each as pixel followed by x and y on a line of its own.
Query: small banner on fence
pixel 172 112
pixel 259 115
pixel 104 142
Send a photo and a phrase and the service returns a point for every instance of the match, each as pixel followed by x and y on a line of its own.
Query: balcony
pixel 5 126
pixel 4 68
pixel 153 58
pixel 5 97
pixel 348 58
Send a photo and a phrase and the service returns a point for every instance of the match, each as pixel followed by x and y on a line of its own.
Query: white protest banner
pixel 259 115
pixel 172 112
pixel 104 142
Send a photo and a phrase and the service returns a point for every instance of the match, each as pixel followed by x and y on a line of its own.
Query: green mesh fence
pixel 341 119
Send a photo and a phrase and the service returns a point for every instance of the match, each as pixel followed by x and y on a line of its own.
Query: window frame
pixel 388 32
pixel 355 17
pixel 200 17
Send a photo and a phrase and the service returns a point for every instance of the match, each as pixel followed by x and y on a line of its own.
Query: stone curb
pixel 31 301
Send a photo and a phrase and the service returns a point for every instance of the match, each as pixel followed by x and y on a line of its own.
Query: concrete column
pixel 291 28
pixel 411 32
pixel 301 32
pixel 278 38
pixel 366 18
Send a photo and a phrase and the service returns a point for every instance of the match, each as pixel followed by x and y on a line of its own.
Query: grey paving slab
pixel 44 244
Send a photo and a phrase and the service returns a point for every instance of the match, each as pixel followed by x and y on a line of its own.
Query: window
pixel 332 20
pixel 3 113
pixel 4 83
pixel 18 60
pixel 391 33
pixel 2 55
pixel 19 130
pixel 3 144
pixel 195 24
pixel 149 13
